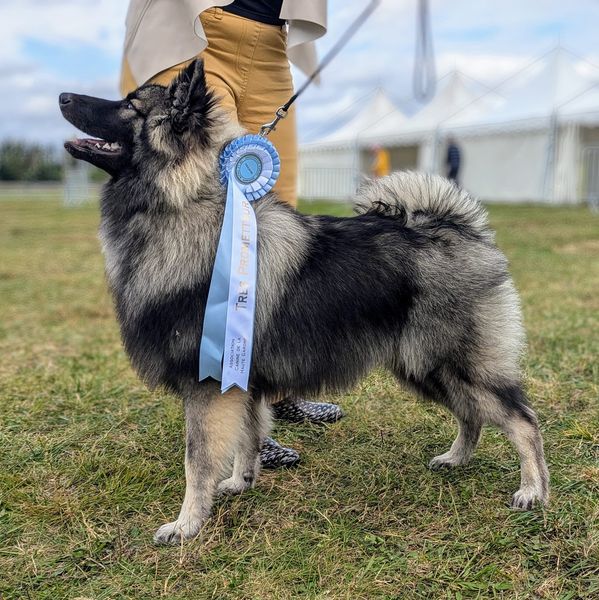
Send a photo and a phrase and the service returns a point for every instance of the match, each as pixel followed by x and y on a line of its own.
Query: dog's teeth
pixel 97 145
pixel 106 147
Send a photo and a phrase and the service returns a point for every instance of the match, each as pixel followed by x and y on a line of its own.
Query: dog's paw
pixel 527 497
pixel 445 461
pixel 177 531
pixel 233 486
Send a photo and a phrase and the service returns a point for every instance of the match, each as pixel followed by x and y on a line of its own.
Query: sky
pixel 50 46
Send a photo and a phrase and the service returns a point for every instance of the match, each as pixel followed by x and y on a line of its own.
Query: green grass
pixel 91 462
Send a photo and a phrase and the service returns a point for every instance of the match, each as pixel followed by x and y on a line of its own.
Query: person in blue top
pixel 454 159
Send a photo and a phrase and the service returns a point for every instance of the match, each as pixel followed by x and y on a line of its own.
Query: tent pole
pixel 435 151
pixel 549 175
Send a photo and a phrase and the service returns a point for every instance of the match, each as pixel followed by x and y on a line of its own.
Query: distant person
pixel 454 158
pixel 381 164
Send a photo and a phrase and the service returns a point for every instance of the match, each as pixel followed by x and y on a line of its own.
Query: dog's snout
pixel 65 99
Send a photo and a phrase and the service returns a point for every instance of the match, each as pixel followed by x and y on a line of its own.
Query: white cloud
pixel 62 22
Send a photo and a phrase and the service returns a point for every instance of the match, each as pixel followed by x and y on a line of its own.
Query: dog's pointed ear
pixel 191 100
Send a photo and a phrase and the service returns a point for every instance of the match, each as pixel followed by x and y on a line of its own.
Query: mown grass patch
pixel 91 462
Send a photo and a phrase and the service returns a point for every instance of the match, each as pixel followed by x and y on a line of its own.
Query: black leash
pixel 282 111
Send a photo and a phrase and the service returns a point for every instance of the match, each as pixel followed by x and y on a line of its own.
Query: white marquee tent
pixel 331 167
pixel 533 137
pixel 530 145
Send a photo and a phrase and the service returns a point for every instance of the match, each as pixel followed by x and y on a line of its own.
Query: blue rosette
pixel 254 164
pixel 249 167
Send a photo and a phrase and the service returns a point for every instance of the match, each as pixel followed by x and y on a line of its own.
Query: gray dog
pixel 414 284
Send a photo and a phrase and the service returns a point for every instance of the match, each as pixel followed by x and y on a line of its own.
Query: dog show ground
pixel 91 461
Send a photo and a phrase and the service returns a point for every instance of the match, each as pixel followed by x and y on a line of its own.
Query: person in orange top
pixel 381 165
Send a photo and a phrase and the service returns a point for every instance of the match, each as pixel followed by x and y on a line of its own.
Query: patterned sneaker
pixel 296 410
pixel 274 456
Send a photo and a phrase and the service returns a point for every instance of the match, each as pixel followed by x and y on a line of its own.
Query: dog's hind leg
pixel 446 389
pixel 504 406
pixel 464 445
pixel 213 423
pixel 246 467
pixel 519 422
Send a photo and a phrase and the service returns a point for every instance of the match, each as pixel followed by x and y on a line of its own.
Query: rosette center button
pixel 248 168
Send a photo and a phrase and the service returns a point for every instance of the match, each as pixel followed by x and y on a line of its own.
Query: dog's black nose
pixel 65 98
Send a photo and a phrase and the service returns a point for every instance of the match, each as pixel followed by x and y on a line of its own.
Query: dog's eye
pixel 129 106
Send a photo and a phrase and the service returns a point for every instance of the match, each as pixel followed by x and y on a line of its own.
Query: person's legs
pixel 250 58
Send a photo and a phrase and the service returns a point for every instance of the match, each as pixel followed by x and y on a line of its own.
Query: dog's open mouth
pixel 94 145
pixel 109 156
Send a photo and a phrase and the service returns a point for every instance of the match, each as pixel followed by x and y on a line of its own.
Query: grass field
pixel 91 462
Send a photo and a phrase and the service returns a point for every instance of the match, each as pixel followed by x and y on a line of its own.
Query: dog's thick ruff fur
pixel 414 283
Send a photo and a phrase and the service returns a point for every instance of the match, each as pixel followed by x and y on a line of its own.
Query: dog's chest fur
pixel 159 262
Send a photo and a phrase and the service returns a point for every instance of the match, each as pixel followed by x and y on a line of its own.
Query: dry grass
pixel 91 463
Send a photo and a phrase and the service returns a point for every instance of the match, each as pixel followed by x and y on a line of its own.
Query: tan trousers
pixel 246 64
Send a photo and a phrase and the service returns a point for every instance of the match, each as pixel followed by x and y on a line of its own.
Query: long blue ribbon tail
pixel 239 332
pixel 215 315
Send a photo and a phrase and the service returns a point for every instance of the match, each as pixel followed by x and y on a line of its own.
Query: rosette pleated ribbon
pixel 249 167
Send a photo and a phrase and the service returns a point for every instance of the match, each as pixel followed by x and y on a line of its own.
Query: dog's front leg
pixel 213 423
pixel 256 427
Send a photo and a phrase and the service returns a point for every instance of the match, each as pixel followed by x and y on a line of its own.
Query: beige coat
pixel 163 33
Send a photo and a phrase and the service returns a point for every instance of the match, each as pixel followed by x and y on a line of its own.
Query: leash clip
pixel 268 127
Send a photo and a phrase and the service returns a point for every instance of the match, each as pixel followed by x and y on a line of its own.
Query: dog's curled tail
pixel 424 201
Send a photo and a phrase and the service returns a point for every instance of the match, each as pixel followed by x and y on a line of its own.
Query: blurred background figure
pixel 381 163
pixel 454 159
